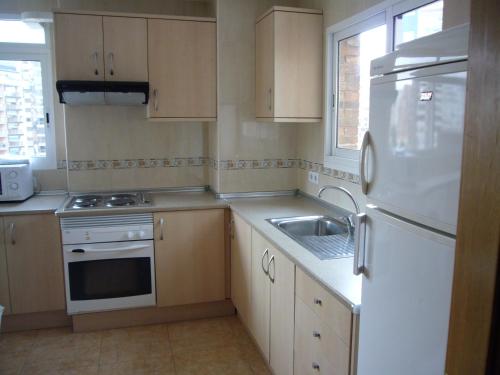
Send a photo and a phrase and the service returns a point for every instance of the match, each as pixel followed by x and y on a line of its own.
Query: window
pixel 419 22
pixel 352 44
pixel 26 94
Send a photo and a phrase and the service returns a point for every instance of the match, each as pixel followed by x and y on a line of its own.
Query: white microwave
pixel 16 180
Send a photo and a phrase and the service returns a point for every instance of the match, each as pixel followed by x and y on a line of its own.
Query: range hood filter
pixel 102 93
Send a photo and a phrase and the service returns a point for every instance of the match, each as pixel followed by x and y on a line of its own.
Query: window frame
pixel 334 157
pixel 42 53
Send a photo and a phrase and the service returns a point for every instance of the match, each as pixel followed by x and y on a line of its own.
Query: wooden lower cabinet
pixel 272 313
pixel 241 266
pixel 261 293
pixel 282 274
pixel 34 263
pixel 298 325
pixel 4 274
pixel 189 257
pixel 323 330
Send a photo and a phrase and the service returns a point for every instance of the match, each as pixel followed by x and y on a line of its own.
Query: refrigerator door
pixel 415 151
pixel 406 298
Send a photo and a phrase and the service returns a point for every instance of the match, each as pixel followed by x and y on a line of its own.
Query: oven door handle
pixel 116 250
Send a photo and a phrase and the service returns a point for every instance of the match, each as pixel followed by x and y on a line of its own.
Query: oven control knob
pixel 142 234
pixel 13 186
pixel 131 235
pixel 12 174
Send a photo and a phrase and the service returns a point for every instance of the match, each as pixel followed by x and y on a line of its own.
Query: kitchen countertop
pixel 37 204
pixel 335 275
pixel 160 201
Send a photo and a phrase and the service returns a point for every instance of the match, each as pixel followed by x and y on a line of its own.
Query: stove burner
pixel 86 201
pixel 119 200
pixel 108 200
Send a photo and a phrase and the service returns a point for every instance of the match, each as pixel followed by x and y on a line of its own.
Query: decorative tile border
pixel 84 165
pixel 320 168
pixel 255 164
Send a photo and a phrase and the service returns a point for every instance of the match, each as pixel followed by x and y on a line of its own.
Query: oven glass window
pixel 109 278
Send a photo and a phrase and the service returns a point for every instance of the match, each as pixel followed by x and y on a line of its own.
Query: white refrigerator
pixel 410 171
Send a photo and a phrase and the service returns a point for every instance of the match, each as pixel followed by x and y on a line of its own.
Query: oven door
pixel 109 276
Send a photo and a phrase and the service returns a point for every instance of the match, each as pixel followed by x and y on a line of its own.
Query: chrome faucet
pixel 349 219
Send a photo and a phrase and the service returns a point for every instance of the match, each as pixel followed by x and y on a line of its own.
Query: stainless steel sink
pixel 325 237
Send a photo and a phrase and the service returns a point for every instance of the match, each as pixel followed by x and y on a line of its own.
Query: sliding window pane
pixel 419 22
pixel 353 88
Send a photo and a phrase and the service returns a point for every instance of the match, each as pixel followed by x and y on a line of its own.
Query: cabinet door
pixel 264 67
pixel 298 43
pixel 182 69
pixel 189 257
pixel 4 276
pixel 79 47
pixel 241 266
pixel 260 291
pixel 282 276
pixel 125 49
pixel 34 261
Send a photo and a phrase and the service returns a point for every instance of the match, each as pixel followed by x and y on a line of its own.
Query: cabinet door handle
pixel 266 253
pixel 270 99
pixel 111 58
pixel 13 233
pixel 317 301
pixel 155 99
pixel 315 366
pixel 162 225
pixel 95 57
pixel 316 334
pixel 272 278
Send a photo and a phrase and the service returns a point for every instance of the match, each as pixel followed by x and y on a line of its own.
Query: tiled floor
pixel 210 346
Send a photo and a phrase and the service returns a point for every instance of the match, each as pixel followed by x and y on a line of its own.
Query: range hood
pixel 102 92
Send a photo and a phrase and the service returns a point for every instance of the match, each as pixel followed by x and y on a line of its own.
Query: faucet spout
pixel 342 189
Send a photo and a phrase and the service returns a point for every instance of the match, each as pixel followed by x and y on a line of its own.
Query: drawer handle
pixel 315 366
pixel 316 334
pixel 317 301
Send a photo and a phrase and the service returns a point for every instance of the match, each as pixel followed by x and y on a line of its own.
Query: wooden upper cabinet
pixel 34 262
pixel 125 49
pixel 79 47
pixel 96 48
pixel 189 257
pixel 289 65
pixel 264 68
pixel 182 69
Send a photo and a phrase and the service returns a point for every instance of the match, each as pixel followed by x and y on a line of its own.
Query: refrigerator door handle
pixel 359 244
pixel 362 162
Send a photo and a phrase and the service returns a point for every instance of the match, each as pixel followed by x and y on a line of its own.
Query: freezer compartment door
pixel 406 299
pixel 416 134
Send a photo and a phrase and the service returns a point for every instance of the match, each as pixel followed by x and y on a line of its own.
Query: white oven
pixel 108 262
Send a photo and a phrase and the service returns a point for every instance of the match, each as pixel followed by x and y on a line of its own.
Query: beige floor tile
pixel 17 342
pixel 12 363
pixel 134 344
pixel 148 366
pixel 205 333
pixel 209 346
pixel 219 361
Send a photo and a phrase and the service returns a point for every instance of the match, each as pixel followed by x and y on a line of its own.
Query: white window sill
pixel 348 165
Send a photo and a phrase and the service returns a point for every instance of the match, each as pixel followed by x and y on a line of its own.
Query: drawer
pixel 324 305
pixel 318 349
